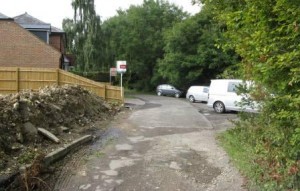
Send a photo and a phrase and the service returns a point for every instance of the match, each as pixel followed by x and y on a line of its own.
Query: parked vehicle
pixel 197 93
pixel 168 90
pixel 223 96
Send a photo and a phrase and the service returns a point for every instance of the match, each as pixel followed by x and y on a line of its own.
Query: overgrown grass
pixel 244 147
pixel 241 154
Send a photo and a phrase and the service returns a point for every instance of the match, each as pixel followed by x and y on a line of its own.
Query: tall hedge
pixel 266 35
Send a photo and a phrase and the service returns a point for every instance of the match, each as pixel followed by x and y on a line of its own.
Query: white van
pixel 197 93
pixel 223 97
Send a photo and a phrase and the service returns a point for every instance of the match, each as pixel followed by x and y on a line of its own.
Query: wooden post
pixel 105 91
pixel 57 77
pixel 17 80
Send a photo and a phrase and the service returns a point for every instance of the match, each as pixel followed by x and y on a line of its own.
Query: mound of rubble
pixel 64 111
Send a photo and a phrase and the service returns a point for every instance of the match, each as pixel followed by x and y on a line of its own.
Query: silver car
pixel 197 93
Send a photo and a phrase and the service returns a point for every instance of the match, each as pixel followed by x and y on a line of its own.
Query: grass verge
pixel 242 155
pixel 241 145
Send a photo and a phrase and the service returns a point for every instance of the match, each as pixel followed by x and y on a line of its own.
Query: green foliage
pixel 266 36
pixel 98 76
pixel 237 144
pixel 191 53
pixel 136 35
pixel 260 153
pixel 84 36
pixel 27 156
pixel 159 41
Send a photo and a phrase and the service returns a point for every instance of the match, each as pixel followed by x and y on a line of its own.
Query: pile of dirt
pixel 65 111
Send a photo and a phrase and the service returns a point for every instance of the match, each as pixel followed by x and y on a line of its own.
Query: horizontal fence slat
pixel 37 80
pixel 7 80
pixel 4 89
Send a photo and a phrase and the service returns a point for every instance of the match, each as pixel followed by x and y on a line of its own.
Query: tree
pixel 136 35
pixel 84 35
pixel 192 56
pixel 266 36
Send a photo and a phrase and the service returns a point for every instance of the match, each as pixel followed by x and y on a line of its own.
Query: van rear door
pixel 232 98
pixel 204 94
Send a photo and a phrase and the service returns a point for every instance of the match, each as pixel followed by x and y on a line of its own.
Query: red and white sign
pixel 113 71
pixel 121 66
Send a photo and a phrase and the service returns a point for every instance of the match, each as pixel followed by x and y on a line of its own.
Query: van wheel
pixel 159 93
pixel 219 107
pixel 192 99
pixel 177 95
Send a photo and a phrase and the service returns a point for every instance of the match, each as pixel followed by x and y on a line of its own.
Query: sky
pixel 54 11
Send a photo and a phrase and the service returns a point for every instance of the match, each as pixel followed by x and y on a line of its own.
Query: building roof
pixel 2 17
pixel 56 30
pixel 29 22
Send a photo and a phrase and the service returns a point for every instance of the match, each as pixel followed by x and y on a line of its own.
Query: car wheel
pixel 219 107
pixel 192 99
pixel 159 93
pixel 177 95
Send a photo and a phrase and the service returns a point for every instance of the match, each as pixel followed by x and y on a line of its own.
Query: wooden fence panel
pixel 113 92
pixel 35 78
pixel 69 78
pixel 8 80
pixel 13 80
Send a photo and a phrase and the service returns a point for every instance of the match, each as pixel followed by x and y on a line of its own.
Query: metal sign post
pixel 121 68
pixel 122 85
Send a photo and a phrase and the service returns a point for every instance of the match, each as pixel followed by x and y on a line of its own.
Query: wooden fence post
pixel 105 91
pixel 17 80
pixel 57 77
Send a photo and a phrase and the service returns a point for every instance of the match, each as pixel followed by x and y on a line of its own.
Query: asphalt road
pixel 163 144
pixel 220 122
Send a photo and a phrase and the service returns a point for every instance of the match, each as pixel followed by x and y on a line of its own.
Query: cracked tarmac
pixel 162 144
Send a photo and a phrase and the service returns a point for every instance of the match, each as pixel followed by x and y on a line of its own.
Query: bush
pixel 272 140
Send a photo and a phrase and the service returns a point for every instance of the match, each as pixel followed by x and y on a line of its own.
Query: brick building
pixel 28 42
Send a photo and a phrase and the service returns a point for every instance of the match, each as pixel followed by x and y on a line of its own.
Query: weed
pixel 99 154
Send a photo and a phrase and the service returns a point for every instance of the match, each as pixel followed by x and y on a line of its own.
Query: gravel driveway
pixel 162 144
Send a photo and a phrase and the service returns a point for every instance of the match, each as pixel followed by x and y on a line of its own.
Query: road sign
pixel 121 67
pixel 113 71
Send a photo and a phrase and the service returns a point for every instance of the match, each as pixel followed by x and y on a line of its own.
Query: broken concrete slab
pixel 49 135
pixel 63 151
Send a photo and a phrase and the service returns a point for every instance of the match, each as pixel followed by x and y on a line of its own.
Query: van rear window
pixel 232 86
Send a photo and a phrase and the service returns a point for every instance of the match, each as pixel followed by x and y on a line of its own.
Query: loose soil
pixel 68 112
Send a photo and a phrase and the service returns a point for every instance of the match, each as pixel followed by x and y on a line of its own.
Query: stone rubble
pixel 63 111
